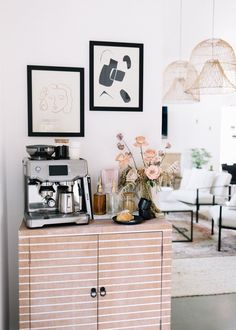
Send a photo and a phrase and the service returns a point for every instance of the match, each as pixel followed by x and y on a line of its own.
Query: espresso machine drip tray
pixel 40 219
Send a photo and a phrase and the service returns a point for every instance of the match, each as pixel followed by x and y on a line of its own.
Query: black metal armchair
pixel 225 217
pixel 198 195
pixel 232 170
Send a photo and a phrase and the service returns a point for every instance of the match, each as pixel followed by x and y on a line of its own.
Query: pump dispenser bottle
pixel 112 200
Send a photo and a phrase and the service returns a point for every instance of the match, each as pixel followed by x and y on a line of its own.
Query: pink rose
pixel 152 172
pixel 149 155
pixel 140 141
pixel 168 145
pixel 123 159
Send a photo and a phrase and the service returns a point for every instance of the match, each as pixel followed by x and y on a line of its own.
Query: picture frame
pixel 55 101
pixel 116 76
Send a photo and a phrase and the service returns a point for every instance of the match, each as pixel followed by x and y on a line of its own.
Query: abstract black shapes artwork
pixel 116 76
pixel 127 59
pixel 125 96
pixel 109 73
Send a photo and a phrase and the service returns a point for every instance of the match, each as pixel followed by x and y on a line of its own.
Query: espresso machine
pixel 57 191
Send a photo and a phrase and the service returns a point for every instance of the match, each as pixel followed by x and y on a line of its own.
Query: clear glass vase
pixel 129 202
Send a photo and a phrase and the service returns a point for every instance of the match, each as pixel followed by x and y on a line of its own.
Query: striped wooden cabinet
pixel 100 276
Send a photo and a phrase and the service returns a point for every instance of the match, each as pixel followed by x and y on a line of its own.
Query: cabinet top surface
pixel 104 226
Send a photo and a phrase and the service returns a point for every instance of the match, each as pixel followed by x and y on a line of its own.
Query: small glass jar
pixel 129 202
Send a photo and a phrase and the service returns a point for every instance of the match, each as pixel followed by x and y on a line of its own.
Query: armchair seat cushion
pixel 200 178
pixel 232 202
pixel 228 216
pixel 212 187
pixel 220 183
pixel 190 197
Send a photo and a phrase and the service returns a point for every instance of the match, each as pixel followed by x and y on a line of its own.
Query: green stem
pixel 141 151
pixel 162 158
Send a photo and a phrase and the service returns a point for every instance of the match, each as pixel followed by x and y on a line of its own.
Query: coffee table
pixel 176 206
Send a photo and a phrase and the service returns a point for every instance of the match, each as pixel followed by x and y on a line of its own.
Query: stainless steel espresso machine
pixel 57 191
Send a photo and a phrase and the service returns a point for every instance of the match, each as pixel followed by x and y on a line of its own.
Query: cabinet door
pixel 130 270
pixel 55 295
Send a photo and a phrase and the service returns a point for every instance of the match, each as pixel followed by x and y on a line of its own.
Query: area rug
pixel 204 244
pixel 203 276
pixel 198 268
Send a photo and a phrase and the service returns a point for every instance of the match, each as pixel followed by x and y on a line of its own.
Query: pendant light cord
pixel 213 18
pixel 180 30
pixel 213 28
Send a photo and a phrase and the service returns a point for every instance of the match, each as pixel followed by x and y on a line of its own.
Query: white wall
pixel 57 32
pixel 228 135
pixel 197 125
pixel 3 237
pixel 3 210
pixel 3 247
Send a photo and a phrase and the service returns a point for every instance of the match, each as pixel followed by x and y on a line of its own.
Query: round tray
pixel 137 219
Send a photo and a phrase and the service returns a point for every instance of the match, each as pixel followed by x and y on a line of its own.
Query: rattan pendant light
pixel 174 78
pixel 215 62
pixel 174 83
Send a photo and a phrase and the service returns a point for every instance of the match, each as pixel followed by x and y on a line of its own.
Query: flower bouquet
pixel 141 178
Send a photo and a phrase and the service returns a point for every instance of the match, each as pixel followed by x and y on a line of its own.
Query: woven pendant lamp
pixel 215 62
pixel 212 80
pixel 174 83
pixel 174 78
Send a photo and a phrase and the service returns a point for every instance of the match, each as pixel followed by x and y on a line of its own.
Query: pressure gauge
pixel 51 202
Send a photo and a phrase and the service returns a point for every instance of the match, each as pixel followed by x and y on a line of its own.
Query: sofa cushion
pixel 221 179
pixel 201 178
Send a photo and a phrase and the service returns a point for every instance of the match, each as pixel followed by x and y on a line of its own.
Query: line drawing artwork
pixel 114 72
pixel 56 98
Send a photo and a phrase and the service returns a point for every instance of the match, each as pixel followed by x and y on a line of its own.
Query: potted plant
pixel 200 157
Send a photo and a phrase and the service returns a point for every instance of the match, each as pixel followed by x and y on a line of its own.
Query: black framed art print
pixel 55 101
pixel 116 76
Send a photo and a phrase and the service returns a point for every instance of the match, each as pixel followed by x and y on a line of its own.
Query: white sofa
pixel 200 187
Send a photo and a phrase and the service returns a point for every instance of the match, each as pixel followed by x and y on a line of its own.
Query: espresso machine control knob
pixel 51 202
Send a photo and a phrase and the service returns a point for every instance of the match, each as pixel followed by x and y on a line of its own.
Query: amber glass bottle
pixel 99 200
